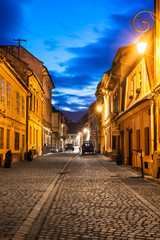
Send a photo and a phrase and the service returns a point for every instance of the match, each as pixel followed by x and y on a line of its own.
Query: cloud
pixel 71 81
pixel 72 102
pixel 51 44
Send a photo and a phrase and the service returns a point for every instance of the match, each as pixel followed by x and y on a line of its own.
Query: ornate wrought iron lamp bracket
pixel 144 22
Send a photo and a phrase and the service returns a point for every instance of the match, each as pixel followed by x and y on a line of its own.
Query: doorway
pixel 130 147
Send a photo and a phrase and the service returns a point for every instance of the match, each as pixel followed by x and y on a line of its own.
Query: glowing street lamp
pixel 141 45
pixel 85 130
pixel 99 108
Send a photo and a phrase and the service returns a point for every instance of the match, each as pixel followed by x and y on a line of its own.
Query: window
pixel 140 79
pixel 8 95
pixel 146 138
pixel 18 103
pixel 2 91
pixel 23 107
pixel 8 139
pixel 16 141
pixel 1 138
pixel 30 135
pixel 138 139
pixel 30 102
pixel 132 86
pixel 37 105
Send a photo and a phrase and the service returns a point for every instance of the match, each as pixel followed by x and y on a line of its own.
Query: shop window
pixel 16 141
pixel 146 138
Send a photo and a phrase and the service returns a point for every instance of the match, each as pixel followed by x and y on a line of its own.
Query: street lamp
pixel 141 45
pixel 85 130
pixel 99 108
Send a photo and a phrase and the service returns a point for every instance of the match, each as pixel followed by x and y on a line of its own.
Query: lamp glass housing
pixel 141 46
pixel 99 108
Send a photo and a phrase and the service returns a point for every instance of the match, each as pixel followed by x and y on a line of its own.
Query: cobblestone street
pixel 71 196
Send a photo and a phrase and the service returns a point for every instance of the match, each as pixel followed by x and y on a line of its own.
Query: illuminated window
pixel 18 103
pixel 8 95
pixel 2 91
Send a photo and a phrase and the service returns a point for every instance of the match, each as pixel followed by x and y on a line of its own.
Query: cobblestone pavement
pixel 67 196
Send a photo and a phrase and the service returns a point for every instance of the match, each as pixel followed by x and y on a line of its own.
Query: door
pixel 130 147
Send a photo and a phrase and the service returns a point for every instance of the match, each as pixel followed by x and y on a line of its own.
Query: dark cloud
pixel 74 82
pixel 11 20
pixel 63 101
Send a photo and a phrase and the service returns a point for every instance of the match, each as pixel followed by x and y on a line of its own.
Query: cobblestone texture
pixel 77 197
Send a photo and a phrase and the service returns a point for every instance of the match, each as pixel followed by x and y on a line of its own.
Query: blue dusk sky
pixel 76 39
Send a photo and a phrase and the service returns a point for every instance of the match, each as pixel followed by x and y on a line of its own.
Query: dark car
pixel 69 146
pixel 87 147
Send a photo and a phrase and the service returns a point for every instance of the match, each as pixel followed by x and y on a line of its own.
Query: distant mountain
pixel 74 116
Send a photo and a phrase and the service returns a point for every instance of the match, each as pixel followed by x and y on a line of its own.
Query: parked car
pixel 87 147
pixel 69 146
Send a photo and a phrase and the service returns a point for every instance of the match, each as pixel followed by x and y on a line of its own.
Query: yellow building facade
pixel 35 126
pixel 136 122
pixel 13 95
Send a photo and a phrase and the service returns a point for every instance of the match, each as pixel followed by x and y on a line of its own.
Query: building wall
pixel 35 116
pixel 136 122
pixel 12 113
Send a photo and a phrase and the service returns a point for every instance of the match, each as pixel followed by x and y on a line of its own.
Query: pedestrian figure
pixel 8 159
pixel 30 157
